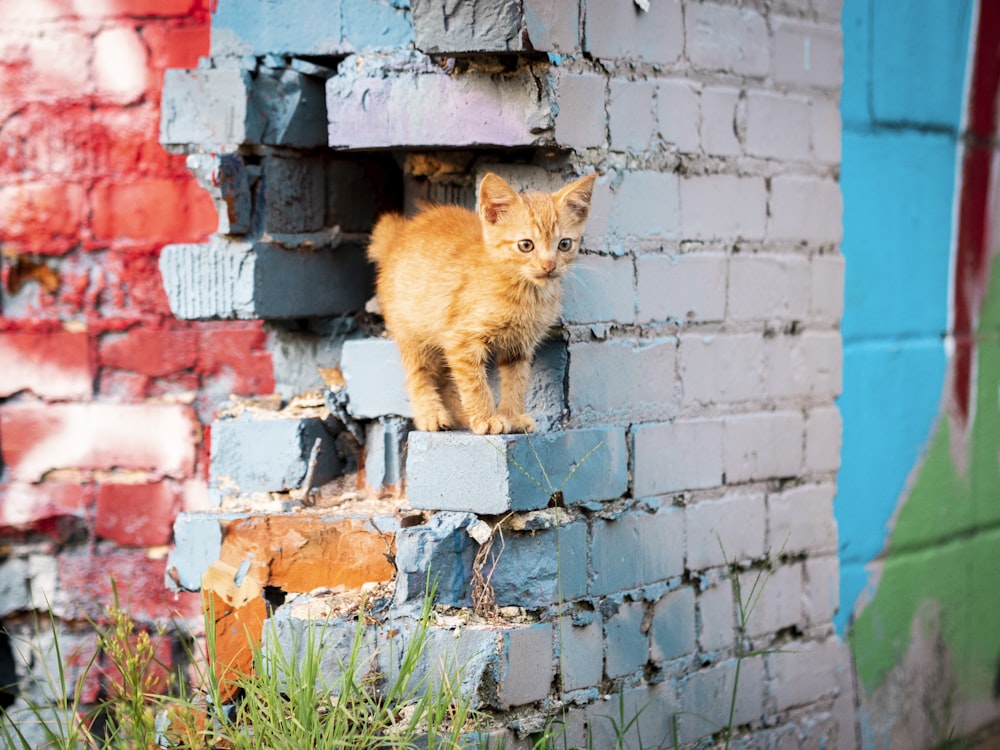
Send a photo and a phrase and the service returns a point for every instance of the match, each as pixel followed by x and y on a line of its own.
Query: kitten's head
pixel 538 234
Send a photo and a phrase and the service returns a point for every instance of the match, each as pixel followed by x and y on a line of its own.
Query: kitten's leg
pixel 468 370
pixel 421 368
pixel 514 378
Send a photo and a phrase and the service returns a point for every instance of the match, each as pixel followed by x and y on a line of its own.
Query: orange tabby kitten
pixel 457 288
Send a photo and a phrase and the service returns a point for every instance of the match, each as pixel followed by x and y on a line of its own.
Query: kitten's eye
pixel 565 244
pixel 525 246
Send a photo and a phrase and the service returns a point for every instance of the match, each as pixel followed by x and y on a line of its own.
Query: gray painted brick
pixel 823 439
pixel 825 125
pixel 477 26
pixel 686 288
pixel 243 280
pixel 599 288
pixel 763 446
pixel 801 521
pixel 368 107
pixel 824 349
pixel 270 453
pixel 717 617
pixel 626 647
pixel 727 38
pixel 630 114
pixel 580 653
pixel 355 193
pixel 672 628
pixel 805 209
pixel 197 544
pixel 15 595
pixel 292 194
pixel 721 368
pixel 732 529
pixel 525 675
pixel 440 548
pixel 647 204
pixel 678 114
pixel 581 121
pixel 677 456
pixel 649 711
pixel 821 587
pixel 226 179
pixel 618 29
pixel 778 126
pixel 718 121
pixel 539 569
pixel 643 385
pixel 768 287
pixel 477 473
pixel 826 298
pixel 385 440
pixel 635 550
pixel 780 603
pixel 743 201
pixel 806 54
pixel 552 25
pixel 805 365
pixel 706 697
pixel 804 672
pixel 373 371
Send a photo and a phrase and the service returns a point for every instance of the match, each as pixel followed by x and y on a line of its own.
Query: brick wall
pixel 105 397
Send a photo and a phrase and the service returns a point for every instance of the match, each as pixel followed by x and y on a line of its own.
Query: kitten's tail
pixel 384 236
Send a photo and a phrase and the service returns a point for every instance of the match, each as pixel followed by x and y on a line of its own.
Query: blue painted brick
pixel 636 549
pixel 374 374
pixel 385 440
pixel 197 544
pixel 580 652
pixel 672 631
pixel 480 474
pixel 524 673
pixel 539 569
pixel 626 646
pixel 441 549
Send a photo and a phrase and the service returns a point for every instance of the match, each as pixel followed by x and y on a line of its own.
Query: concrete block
pixel 243 280
pixel 620 29
pixel 481 474
pixel 706 697
pixel 441 549
pixel 674 456
pixel 719 130
pixel 732 529
pixel 268 454
pixel 727 39
pixel 599 288
pixel 717 616
pixel 744 198
pixel 197 544
pixel 826 288
pixel 805 209
pixel 642 389
pixel 626 646
pixel 580 653
pixel 763 446
pixel 292 195
pixel 801 520
pixel 385 440
pixel 779 604
pixel 768 287
pixel 804 672
pixel 370 106
pixel 824 429
pixel 581 120
pixel 631 114
pixel 526 668
pixel 687 288
pixel 635 550
pixel 227 181
pixel 721 368
pixel 672 628
pixel 219 109
pixel 374 374
pixel 806 54
pixel 539 569
pixel 821 587
pixel 678 114
pixel 778 126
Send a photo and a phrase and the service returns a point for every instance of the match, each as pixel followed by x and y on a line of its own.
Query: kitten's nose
pixel 548 266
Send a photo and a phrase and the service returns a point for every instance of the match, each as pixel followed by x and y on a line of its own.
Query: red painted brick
pixel 137 515
pixel 85 583
pixel 155 209
pixel 51 365
pixel 42 218
pixel 37 438
pixel 149 351
pixel 135 8
pixel 173 46
pixel 240 351
pixel 57 509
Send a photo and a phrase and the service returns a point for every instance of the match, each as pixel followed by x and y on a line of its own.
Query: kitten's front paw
pixel 522 423
pixel 488 426
pixel 432 421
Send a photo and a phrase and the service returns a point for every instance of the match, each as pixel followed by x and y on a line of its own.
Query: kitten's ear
pixel 496 198
pixel 576 196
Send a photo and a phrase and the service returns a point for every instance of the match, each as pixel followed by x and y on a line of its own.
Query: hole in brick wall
pixel 274 596
pixel 8 675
